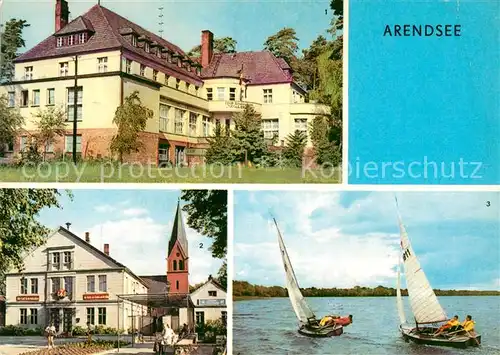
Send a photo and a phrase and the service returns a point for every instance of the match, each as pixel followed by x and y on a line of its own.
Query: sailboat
pixel 308 324
pixel 425 306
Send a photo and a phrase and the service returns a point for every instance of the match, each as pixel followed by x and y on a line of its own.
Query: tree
pixel 11 123
pixel 207 214
pixel 131 118
pixel 248 137
pixel 50 124
pixel 222 275
pixel 307 72
pixel 220 149
pixel 294 148
pixel 20 231
pixel 221 45
pixel 326 149
pixel 283 44
pixel 12 40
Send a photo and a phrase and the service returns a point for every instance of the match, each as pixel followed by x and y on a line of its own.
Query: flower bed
pixel 79 348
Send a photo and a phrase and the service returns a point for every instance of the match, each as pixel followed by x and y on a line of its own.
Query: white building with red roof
pixel 188 97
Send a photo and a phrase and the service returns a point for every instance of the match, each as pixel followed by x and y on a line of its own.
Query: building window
pixel 33 316
pixel 176 285
pixel 158 52
pixel 205 126
pixel 24 286
pixel 200 317
pixel 146 47
pixel 36 98
pixel 56 284
pixel 134 41
pixel 34 286
pixel 142 71
pixel 270 128
pixel 63 69
pixel 177 83
pixel 301 125
pixel 68 286
pixel 23 142
pixel 192 125
pixel 67 257
pixel 68 144
pixel 103 283
pixel 232 94
pixel 70 40
pixel 12 98
pixel 221 92
pixel 71 104
pixel 102 64
pixel 155 75
pixel 179 121
pixel 24 98
pixel 51 96
pixel 268 96
pixel 175 265
pixel 91 316
pixel 164 109
pixel 212 293
pixel 181 264
pixel 102 315
pixel 169 57
pixel 28 73
pixel 91 283
pixel 210 95
pixel 82 38
pixel 24 316
pixel 56 259
pixel 196 88
pixel 128 66
pixel 59 41
pixel 166 79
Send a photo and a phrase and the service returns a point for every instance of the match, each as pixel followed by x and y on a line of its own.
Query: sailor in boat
pixel 468 324
pixel 343 321
pixel 327 320
pixel 450 326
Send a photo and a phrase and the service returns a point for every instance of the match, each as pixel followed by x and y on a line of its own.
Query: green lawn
pixel 64 172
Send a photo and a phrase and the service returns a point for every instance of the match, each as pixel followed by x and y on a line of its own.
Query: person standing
pixel 50 333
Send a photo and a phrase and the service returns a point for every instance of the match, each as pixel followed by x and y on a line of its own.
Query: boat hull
pixel 321 332
pixel 426 338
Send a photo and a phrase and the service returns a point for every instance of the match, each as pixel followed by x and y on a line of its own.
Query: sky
pixel 137 225
pixel 344 239
pixel 248 22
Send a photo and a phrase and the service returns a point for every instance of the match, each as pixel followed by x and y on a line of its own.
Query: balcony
pixel 309 108
pixel 231 106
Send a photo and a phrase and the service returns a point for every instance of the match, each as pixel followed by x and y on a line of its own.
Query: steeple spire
pixel 178 232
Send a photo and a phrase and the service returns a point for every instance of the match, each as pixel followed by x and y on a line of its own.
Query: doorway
pixel 180 155
pixel 55 318
pixel 67 320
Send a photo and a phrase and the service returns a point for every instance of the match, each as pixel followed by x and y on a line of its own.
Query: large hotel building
pixel 188 96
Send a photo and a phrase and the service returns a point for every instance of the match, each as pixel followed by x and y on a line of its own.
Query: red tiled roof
pixel 258 68
pixel 107 25
pixel 77 25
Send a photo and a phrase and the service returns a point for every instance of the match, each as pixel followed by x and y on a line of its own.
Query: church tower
pixel 178 257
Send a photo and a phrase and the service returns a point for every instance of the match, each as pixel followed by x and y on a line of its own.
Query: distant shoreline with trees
pixel 243 290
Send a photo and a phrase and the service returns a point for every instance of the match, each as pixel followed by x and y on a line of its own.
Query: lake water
pixel 269 326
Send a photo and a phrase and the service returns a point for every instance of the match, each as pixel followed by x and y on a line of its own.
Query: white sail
pixel 299 304
pixel 423 300
pixel 399 299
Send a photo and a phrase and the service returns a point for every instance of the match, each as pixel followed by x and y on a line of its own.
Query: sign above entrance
pixel 236 104
pixel 95 296
pixel 32 298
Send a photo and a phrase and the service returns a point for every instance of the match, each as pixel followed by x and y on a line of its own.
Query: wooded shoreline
pixel 243 290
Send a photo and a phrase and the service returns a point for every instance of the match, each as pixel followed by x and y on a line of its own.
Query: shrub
pixel 13 330
pixel 208 331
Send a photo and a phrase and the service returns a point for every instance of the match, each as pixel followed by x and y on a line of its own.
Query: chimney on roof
pixel 106 249
pixel 62 14
pixel 68 224
pixel 207 47
pixel 87 237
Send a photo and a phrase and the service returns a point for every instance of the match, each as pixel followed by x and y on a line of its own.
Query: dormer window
pixel 82 38
pixel 134 40
pixel 146 47
pixel 70 40
pixel 198 71
pixel 59 41
pixel 158 52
